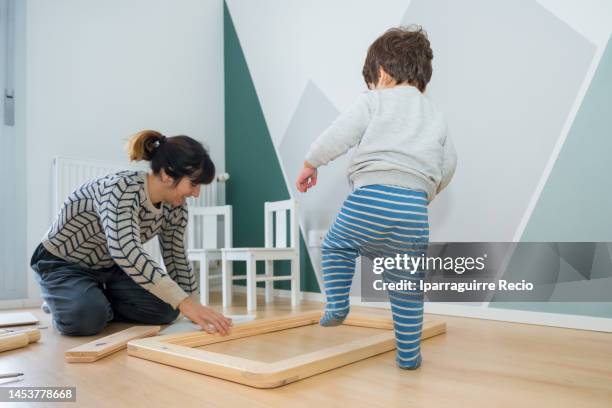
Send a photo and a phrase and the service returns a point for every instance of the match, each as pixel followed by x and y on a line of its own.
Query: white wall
pixel 98 71
pixel 506 118
pixel 13 282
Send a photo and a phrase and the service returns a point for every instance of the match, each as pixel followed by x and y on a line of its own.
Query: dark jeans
pixel 84 300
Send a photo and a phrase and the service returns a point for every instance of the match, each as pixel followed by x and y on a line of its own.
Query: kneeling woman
pixel 91 265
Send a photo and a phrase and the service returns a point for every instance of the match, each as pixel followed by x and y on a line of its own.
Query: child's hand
pixel 307 178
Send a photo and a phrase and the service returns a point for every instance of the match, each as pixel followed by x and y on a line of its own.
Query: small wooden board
pixel 17 319
pixel 100 348
pixel 13 339
pixel 33 334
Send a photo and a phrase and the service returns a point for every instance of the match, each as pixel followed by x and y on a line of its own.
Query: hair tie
pixel 159 142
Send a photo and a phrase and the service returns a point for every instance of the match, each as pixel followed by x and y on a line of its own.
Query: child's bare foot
pixel 331 319
pixel 409 365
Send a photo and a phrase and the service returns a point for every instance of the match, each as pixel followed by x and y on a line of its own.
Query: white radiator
pixel 69 173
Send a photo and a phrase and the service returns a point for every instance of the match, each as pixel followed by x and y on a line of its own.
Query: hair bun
pixel 143 145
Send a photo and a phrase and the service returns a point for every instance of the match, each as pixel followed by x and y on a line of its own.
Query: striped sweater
pixel 106 221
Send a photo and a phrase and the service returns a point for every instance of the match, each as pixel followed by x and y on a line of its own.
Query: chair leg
pixel 269 284
pixel 295 282
pixel 251 285
pixel 204 280
pixel 226 282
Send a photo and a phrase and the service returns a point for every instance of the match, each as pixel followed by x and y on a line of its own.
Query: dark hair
pixel 404 53
pixel 179 156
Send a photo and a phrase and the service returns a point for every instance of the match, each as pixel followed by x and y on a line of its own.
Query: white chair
pixel 276 248
pixel 203 241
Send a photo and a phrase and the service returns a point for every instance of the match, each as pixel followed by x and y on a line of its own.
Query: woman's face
pixel 177 195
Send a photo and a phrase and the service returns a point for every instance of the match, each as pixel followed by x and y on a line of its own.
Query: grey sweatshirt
pixel 401 138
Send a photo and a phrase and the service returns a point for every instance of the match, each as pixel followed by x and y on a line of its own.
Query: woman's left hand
pixel 210 320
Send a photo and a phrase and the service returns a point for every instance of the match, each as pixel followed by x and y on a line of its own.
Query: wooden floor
pixel 477 363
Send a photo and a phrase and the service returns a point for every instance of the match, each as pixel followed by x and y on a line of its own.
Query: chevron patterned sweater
pixel 106 221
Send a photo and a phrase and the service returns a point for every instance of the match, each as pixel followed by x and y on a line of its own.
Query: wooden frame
pixel 178 350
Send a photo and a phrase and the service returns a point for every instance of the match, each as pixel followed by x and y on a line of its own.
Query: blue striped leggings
pixel 374 221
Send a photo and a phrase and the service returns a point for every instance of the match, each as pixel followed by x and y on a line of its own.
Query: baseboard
pixel 477 312
pixel 567 321
pixel 20 303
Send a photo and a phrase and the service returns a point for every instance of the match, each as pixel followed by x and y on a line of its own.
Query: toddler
pixel 403 158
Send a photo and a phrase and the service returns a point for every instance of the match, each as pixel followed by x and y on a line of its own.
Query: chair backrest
pixel 275 217
pixel 202 232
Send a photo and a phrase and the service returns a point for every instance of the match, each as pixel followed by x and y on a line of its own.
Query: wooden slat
pixel 218 365
pixel 97 349
pixel 430 327
pixel 306 365
pixel 260 326
pixel 374 322
pixel 13 341
pixel 33 334
pixel 199 338
pixel 17 319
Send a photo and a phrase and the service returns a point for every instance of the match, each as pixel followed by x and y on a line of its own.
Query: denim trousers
pixel 84 300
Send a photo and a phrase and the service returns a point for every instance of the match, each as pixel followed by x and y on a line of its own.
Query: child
pixel 403 158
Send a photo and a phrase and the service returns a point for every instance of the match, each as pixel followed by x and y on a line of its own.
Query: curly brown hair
pixel 404 53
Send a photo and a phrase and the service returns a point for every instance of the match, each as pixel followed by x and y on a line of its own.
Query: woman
pixel 91 265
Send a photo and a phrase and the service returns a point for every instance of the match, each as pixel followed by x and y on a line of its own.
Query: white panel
pixel 85 100
pixel 343 30
pixel 281 229
pixel 268 221
pixel 591 18
pixel 12 169
pixel 209 232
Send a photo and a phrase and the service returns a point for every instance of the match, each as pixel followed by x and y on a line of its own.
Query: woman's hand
pixel 210 320
pixel 307 178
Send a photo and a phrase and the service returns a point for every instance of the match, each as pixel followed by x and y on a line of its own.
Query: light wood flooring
pixel 477 363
